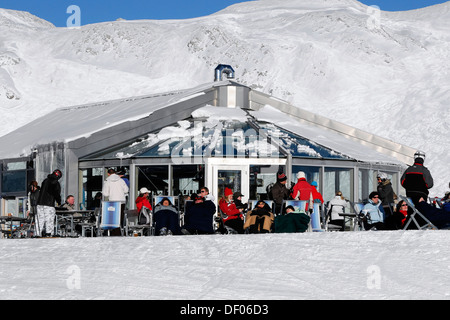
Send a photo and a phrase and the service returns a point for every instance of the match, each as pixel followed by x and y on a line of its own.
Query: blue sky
pixel 93 11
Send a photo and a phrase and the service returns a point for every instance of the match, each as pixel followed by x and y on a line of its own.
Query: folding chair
pixel 329 226
pixel 132 223
pixel 252 204
pixel 91 226
pixel 412 217
pixel 110 217
pixel 358 224
pixel 297 204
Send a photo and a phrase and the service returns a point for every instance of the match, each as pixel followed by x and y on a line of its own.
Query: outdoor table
pixel 5 219
pixel 64 214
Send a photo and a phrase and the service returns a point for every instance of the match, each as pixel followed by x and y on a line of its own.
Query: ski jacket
pixel 279 193
pixel 50 192
pixel 386 192
pixel 417 178
pixel 376 211
pixel 230 210
pixel 143 202
pixel 303 191
pixel 337 206
pixel 115 188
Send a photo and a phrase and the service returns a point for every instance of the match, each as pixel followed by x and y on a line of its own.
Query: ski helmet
pixel 419 154
pixel 57 173
pixel 382 175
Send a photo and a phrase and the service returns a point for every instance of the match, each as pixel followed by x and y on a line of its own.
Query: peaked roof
pixel 79 123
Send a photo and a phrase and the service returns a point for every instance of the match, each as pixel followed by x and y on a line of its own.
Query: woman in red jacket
pixel 303 190
pixel 232 216
pixel 142 199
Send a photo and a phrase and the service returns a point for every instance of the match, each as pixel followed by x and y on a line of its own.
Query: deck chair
pixel 91 226
pixel 252 204
pixel 297 204
pixel 358 222
pixel 226 229
pixel 329 226
pixel 110 216
pixel 428 224
pixel 139 222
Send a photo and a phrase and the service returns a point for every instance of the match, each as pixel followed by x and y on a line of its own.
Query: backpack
pixel 144 216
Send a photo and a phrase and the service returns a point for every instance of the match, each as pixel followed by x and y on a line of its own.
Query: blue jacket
pixel 376 211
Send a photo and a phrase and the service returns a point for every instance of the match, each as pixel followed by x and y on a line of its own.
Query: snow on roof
pixel 71 123
pixel 327 138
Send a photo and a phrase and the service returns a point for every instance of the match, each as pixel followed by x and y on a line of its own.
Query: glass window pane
pixel 154 178
pixel 229 179
pixel 187 179
pixel 338 179
pixel 92 182
pixel 261 176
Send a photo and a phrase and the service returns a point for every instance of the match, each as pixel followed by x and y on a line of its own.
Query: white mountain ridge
pixel 324 56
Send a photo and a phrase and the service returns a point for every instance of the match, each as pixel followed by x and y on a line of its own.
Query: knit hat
pixel 300 175
pixel 314 183
pixel 228 192
pixel 281 177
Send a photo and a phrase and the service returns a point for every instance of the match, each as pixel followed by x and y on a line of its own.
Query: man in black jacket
pixel 46 212
pixel 417 179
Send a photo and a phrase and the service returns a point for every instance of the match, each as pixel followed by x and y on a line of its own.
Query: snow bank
pixel 351 265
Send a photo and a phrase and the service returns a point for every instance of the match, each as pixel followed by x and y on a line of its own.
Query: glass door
pixel 234 177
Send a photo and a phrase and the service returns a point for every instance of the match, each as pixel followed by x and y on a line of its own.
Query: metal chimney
pixel 223 68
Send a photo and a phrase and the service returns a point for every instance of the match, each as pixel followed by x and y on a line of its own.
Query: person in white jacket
pixel 116 189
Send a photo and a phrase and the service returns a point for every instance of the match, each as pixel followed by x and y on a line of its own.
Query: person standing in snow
pixel 115 189
pixel 49 194
pixel 33 195
pixel 386 192
pixel 303 190
pixel 417 179
pixel 279 191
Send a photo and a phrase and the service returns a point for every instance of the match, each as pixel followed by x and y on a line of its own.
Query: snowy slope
pixel 324 56
pixel 369 265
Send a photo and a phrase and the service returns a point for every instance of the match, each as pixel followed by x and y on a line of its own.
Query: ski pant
pixel 45 217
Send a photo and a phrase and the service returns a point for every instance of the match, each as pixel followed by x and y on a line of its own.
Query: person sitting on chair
pixel 439 217
pixel 260 219
pixel 198 217
pixel 295 220
pixel 166 218
pixel 142 199
pixel 233 216
pixel 374 213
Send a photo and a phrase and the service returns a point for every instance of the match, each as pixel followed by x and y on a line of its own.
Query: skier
pixel 49 194
pixel 417 179
pixel 386 192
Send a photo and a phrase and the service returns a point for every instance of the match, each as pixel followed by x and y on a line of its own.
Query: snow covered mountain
pixel 383 72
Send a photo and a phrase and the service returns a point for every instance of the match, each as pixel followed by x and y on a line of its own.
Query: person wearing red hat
pixel 279 191
pixel 232 216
